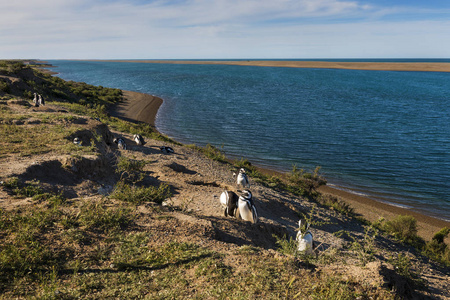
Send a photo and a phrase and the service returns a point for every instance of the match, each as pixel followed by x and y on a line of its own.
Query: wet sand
pixel 144 107
pixel 137 107
pixel 375 66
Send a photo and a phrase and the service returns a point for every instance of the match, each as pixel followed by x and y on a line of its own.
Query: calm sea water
pixel 378 133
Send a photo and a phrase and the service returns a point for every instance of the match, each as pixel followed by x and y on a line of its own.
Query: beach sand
pixel 375 66
pixel 137 107
pixel 144 107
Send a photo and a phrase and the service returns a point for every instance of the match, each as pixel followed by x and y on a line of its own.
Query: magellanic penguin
pixel 166 149
pixel 41 100
pixel 120 143
pixel 305 240
pixel 246 208
pixel 139 139
pixel 77 141
pixel 35 100
pixel 229 201
pixel 242 178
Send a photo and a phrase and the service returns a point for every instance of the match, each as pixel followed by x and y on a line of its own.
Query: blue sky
pixel 208 29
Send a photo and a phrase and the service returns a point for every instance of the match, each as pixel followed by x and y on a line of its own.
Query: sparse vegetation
pixel 140 195
pixel 403 228
pixel 211 152
pixel 365 248
pixel 437 249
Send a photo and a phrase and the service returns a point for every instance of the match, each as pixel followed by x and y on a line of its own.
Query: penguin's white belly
pixel 241 180
pixel 224 199
pixel 305 244
pixel 245 212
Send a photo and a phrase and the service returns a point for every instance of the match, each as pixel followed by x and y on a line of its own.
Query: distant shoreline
pixel 372 66
pixel 144 107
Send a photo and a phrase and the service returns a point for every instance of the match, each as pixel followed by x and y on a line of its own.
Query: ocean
pixel 381 134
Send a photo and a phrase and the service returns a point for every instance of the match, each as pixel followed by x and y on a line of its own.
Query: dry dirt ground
pixel 194 212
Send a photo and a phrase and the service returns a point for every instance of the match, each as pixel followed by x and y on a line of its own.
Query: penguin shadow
pixel 239 232
pixel 181 169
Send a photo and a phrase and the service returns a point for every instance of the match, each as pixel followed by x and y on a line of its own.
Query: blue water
pixel 380 133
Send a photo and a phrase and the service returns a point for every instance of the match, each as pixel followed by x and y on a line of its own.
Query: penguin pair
pixel 38 100
pixel 241 207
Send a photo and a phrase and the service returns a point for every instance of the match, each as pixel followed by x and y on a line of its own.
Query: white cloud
pixel 208 29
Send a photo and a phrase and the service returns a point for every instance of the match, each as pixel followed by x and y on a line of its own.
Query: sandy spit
pixel 375 66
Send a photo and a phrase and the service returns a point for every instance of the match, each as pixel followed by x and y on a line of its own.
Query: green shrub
pixel 4 87
pixel 437 249
pixel 404 228
pixel 130 170
pixel 211 152
pixel 286 245
pixel 304 183
pixel 336 204
pixel 403 266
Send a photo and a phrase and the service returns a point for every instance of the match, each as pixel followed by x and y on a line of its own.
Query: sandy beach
pixel 137 107
pixel 375 66
pixel 144 107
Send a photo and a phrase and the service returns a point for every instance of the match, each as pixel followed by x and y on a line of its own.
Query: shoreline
pixel 372 66
pixel 144 107
pixel 137 107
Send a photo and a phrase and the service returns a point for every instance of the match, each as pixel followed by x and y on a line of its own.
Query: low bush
pixel 437 249
pixel 404 228
pixel 4 87
pixel 130 170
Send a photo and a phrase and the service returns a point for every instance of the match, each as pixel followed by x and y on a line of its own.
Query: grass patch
pixel 98 215
pixel 139 195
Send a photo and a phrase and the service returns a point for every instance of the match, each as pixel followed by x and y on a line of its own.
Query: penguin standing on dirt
pixel 305 240
pixel 229 201
pixel 120 143
pixel 41 100
pixel 35 100
pixel 246 208
pixel 242 178
pixel 139 139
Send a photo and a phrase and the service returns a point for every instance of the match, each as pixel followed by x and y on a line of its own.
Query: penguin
pixel 246 208
pixel 41 100
pixel 229 201
pixel 120 143
pixel 139 139
pixel 305 240
pixel 35 100
pixel 77 141
pixel 242 178
pixel 166 149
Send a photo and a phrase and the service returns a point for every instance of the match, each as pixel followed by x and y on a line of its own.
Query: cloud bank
pixel 220 29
